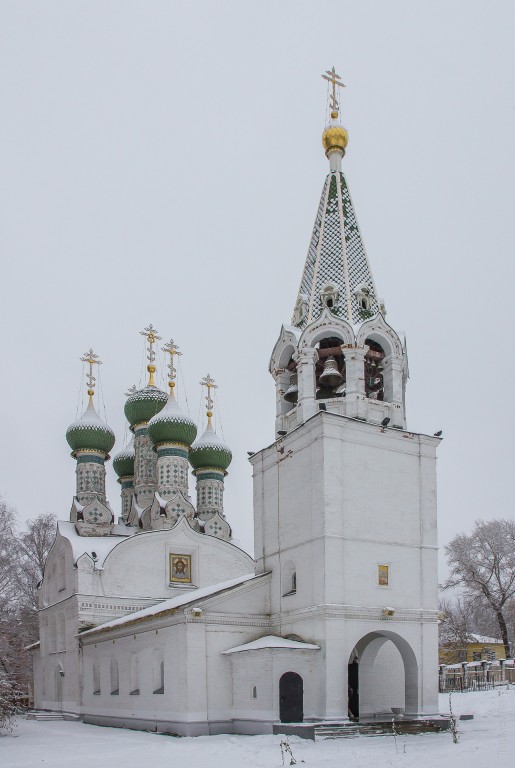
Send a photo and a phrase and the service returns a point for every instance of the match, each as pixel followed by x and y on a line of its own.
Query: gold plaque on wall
pixel 382 575
pixel 180 569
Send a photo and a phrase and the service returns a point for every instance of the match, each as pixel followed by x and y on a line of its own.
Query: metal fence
pixel 457 680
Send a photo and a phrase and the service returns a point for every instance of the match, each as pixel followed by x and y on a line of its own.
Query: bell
pixel 292 393
pixel 330 376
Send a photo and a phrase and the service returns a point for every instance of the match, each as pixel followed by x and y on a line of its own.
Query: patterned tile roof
pixel 336 257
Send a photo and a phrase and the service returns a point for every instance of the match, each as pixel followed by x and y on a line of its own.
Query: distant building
pixel 160 622
pixel 474 648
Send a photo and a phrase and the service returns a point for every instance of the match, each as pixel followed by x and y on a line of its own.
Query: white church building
pixel 160 622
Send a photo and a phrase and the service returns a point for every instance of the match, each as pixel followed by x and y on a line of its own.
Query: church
pixel 154 619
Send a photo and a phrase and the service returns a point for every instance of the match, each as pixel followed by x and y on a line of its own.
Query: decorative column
pixel 355 380
pixel 306 405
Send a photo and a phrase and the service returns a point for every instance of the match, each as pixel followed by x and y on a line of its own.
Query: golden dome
pixel 335 137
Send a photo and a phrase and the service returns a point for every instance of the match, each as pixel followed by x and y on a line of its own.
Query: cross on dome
pixel 151 335
pixel 335 80
pixel 209 383
pixel 172 349
pixel 92 359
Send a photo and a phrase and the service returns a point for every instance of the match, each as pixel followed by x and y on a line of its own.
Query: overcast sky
pixel 161 163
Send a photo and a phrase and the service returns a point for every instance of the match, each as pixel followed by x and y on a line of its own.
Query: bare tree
pixel 22 558
pixel 455 628
pixel 484 565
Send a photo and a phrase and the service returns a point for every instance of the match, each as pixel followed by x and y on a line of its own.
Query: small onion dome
pixel 171 425
pixel 90 433
pixel 144 403
pixel 335 137
pixel 123 462
pixel 209 451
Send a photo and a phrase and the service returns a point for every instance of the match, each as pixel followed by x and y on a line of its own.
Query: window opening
pixel 374 382
pixel 330 369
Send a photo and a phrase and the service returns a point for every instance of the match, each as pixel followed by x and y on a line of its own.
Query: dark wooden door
pixel 354 689
pixel 291 698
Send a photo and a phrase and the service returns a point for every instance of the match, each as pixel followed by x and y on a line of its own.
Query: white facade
pixel 337 615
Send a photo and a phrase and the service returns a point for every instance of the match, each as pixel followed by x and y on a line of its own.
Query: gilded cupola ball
pixel 172 425
pixel 209 451
pixel 335 137
pixel 90 433
pixel 123 462
pixel 144 403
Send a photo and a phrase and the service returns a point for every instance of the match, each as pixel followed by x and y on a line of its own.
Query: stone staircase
pixel 380 728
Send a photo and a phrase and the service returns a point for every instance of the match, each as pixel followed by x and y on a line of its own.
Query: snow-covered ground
pixel 486 741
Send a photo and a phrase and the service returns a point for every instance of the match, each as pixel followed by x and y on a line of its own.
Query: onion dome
pixel 335 137
pixel 143 404
pixel 209 451
pixel 172 425
pixel 90 433
pixel 123 462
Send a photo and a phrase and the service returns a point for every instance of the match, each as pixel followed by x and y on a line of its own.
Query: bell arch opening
pixel 330 374
pixel 374 368
pixel 382 677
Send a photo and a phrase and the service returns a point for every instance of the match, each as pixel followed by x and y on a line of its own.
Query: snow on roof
pixel 482 639
pixel 272 641
pixel 101 545
pixel 174 602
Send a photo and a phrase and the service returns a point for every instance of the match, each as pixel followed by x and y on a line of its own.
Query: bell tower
pixel 345 497
pixel 339 354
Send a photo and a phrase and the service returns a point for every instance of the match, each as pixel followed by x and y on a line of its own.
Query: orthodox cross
pixel 151 335
pixel 172 349
pixel 92 359
pixel 335 81
pixel 209 383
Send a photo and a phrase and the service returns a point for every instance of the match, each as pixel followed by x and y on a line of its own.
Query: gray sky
pixel 161 162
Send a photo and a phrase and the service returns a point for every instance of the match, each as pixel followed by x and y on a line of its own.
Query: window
pixel 115 681
pixel 96 678
pixel 289 579
pixel 134 676
pixel 383 575
pixel 158 671
pixel 329 295
pixel 253 692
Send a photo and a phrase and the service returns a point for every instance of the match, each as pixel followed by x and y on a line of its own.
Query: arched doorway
pixel 383 676
pixel 291 698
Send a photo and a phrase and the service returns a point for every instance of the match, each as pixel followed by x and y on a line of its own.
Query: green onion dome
pixel 172 425
pixel 123 462
pixel 209 451
pixel 144 403
pixel 90 433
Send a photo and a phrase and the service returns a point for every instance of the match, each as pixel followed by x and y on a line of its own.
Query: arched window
pixel 115 678
pixel 289 579
pixel 329 296
pixel 134 675
pixel 60 632
pixel 96 677
pixel 158 671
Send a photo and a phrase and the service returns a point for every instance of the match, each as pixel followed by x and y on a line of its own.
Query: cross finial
pixel 336 82
pixel 172 349
pixel 209 383
pixel 151 335
pixel 92 359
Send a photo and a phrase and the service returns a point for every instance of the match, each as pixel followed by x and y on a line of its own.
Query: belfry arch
pixel 382 676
